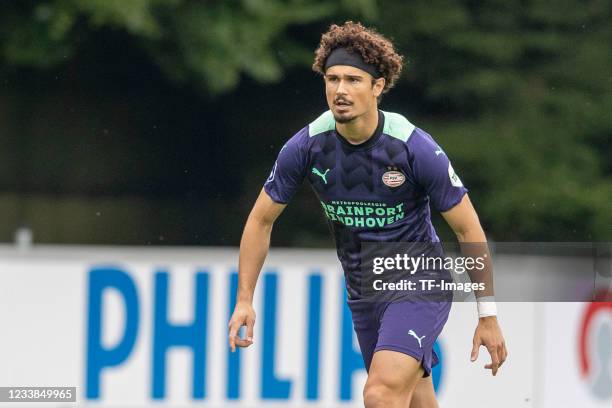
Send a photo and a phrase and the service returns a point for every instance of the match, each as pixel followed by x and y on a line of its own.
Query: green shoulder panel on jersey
pixel 397 126
pixel 323 123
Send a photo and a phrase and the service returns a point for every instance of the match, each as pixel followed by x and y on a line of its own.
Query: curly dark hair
pixel 373 47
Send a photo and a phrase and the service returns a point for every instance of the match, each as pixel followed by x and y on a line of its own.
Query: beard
pixel 342 119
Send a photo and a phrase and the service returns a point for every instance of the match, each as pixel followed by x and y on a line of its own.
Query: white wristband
pixel 486 306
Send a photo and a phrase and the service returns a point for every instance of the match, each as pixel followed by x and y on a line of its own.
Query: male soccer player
pixel 376 176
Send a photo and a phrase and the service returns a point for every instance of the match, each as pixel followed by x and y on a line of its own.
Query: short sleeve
pixel 288 171
pixel 434 172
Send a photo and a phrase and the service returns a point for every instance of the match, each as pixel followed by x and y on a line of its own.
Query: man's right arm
pixel 254 247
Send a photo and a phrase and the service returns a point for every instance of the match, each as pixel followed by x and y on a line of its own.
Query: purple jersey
pixel 377 191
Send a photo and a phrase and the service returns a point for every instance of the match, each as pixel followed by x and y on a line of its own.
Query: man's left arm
pixel 463 220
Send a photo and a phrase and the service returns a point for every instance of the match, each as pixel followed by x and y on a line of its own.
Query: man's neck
pixel 361 129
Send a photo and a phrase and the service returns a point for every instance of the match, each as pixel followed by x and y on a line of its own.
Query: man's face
pixel 351 92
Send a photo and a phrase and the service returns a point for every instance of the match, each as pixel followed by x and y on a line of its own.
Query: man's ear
pixel 378 86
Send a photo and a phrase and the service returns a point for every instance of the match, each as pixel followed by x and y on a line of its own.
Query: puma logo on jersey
pixel 413 334
pixel 322 175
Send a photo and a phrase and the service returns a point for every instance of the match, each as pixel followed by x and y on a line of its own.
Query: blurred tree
pixel 209 42
pixel 518 93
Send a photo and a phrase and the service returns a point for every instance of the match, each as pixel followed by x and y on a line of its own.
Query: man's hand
pixel 489 334
pixel 244 315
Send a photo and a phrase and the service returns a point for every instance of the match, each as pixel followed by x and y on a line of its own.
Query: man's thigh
pixel 395 371
pixel 424 395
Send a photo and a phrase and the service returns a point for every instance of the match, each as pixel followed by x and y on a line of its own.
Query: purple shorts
pixel 409 327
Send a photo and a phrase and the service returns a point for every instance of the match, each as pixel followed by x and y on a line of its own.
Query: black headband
pixel 341 56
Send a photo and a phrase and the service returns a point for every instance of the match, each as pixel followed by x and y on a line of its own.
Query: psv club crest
pixel 393 178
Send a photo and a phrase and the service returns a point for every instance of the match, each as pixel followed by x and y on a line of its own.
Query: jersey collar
pixel 368 143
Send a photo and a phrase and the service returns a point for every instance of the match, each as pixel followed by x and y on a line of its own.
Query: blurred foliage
pixel 517 92
pixel 210 42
